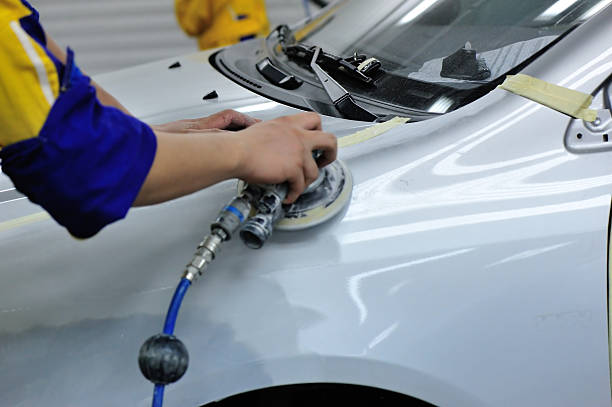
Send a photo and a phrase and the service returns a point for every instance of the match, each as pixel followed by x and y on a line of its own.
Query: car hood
pixel 472 256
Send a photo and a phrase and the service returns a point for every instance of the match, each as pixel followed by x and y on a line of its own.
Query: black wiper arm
pixel 339 96
pixel 357 67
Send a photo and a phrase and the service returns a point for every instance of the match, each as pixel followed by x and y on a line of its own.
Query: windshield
pixel 439 54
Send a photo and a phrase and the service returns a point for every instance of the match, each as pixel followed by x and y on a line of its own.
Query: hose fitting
pixel 228 221
pixel 257 229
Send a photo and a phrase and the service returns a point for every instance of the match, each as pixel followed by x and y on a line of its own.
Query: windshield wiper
pixel 358 66
pixel 339 96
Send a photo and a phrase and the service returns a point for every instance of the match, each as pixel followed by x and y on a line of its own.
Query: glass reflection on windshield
pixel 436 54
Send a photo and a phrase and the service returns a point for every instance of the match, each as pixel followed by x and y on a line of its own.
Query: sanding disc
pixel 326 197
pixel 323 202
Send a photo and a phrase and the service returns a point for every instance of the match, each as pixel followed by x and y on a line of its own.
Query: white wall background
pixel 110 34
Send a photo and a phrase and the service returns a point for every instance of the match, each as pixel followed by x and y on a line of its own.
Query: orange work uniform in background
pixel 217 23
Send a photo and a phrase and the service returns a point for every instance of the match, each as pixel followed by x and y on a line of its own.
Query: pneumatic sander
pixel 322 199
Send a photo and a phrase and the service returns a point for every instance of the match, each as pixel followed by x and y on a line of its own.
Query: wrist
pixel 235 156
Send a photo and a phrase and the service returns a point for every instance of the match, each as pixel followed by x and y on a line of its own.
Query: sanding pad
pixel 319 204
pixel 322 200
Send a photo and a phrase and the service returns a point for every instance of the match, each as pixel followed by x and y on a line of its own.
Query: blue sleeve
pixel 88 162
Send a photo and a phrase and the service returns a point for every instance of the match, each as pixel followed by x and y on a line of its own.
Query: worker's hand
pixel 225 120
pixel 280 150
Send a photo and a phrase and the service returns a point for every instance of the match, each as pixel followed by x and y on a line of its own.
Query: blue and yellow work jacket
pixel 83 162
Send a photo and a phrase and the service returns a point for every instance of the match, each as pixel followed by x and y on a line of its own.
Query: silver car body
pixel 470 268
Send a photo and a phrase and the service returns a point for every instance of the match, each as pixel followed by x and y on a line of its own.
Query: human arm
pixel 87 163
pixel 191 155
pixel 269 152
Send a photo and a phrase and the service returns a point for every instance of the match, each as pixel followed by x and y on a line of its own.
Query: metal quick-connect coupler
pixel 228 221
pixel 269 210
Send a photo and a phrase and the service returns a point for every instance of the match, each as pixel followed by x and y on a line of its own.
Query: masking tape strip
pixel 24 220
pixel 371 132
pixel 564 100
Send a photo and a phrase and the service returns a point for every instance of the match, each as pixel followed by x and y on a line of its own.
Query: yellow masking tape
pixel 564 100
pixel 371 132
pixel 22 221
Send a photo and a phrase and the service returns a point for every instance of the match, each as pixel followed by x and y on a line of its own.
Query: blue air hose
pixel 163 358
pixel 175 304
pixel 158 395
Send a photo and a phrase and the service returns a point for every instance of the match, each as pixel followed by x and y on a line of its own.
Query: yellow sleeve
pixel 194 16
pixel 29 83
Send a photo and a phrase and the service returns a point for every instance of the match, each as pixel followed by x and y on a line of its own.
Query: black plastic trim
pixel 277 77
pixel 320 395
pixel 224 70
pixel 237 75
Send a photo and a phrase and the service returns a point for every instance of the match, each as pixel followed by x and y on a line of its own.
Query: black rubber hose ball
pixel 163 359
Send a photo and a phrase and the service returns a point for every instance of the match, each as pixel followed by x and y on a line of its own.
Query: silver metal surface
pixel 221 230
pixel 204 255
pixel 232 215
pixel 590 137
pixel 257 230
pixel 268 210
